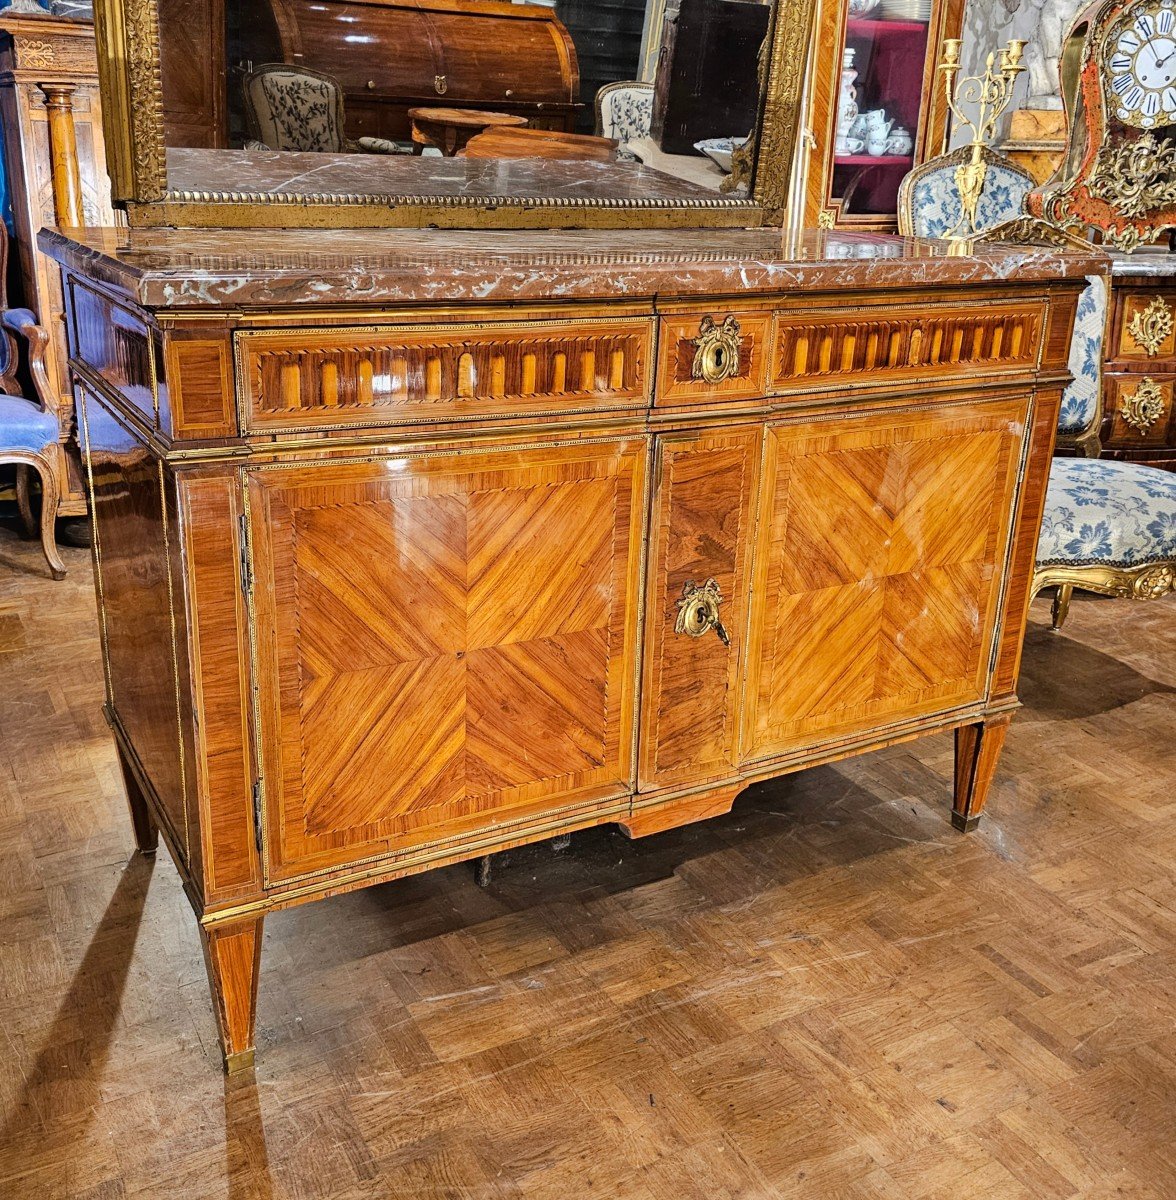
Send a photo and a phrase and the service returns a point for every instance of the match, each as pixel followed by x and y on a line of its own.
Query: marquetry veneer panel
pixel 443 641
pixel 871 348
pixel 880 554
pixel 438 373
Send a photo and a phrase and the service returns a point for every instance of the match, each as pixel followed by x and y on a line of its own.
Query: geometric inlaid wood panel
pixel 438 372
pixel 450 640
pixel 906 343
pixel 700 531
pixel 881 548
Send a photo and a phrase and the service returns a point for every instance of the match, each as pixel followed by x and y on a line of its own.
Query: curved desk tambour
pixel 414 547
pixel 512 58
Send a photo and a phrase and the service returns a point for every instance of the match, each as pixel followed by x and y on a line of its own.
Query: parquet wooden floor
pixel 828 993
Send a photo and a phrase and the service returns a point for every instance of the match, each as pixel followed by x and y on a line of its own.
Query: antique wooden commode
pixel 412 545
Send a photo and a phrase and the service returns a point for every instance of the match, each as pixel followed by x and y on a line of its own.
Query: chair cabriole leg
pixel 48 519
pixel 1061 605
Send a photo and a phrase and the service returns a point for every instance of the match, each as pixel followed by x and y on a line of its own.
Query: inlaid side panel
pixel 438 373
pixel 114 342
pixel 211 508
pixel 443 642
pixel 701 533
pixel 880 556
pixel 875 347
pixel 140 608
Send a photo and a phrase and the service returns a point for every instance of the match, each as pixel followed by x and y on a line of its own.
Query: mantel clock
pixel 1118 76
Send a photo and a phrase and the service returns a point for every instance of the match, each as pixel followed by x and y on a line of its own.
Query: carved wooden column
pixel 63 151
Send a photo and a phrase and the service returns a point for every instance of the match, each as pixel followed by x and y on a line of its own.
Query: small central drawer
pixel 290 380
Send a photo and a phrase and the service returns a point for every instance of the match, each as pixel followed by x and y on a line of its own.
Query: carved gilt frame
pixel 127 41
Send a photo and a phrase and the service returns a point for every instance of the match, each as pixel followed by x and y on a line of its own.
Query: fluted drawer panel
pixel 306 378
pixel 878 347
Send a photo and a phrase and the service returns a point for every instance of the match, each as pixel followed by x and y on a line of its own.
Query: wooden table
pixel 509 142
pixel 449 129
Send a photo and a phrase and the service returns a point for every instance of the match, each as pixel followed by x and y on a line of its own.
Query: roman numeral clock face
pixel 1142 67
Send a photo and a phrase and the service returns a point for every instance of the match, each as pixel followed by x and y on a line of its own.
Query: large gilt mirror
pixel 456 113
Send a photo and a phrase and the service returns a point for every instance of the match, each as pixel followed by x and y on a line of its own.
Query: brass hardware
pixel 990 93
pixel 716 350
pixel 1137 177
pixel 1142 408
pixel 1150 327
pixel 826 219
pixel 440 84
pixel 698 611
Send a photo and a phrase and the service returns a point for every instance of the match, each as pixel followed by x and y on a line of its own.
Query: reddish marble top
pixel 163 268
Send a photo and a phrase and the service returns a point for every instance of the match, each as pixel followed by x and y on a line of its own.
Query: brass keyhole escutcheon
pixel 440 84
pixel 698 611
pixel 716 350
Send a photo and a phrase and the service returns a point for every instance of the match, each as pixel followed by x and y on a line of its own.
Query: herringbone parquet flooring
pixel 827 993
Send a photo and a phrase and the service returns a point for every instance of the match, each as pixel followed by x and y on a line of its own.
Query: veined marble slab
pixel 182 268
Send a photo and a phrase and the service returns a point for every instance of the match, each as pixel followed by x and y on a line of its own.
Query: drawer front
pixel 705 357
pixel 1140 410
pixel 871 347
pixel 374 376
pixel 1147 327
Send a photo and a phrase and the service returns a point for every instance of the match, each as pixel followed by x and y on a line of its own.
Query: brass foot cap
pixel 964 824
pixel 241 1061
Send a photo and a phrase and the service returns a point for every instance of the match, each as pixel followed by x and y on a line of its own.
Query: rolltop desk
pixel 417 549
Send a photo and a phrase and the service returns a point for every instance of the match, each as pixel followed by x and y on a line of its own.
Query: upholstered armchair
pixel 624 111
pixel 29 429
pixel 1108 527
pixel 295 108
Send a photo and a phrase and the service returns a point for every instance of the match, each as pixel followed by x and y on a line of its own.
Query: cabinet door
pixel 700 535
pixel 880 559
pixel 444 643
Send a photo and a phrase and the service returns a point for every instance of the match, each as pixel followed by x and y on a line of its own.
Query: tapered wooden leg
pixel 1061 604
pixel 976 752
pixel 232 953
pixel 146 834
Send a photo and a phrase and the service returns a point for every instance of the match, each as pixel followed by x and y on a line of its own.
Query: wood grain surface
pixel 825 993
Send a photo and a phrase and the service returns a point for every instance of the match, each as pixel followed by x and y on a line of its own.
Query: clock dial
pixel 1141 66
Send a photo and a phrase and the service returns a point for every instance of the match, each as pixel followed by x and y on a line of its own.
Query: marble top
pixel 184 268
pixel 211 175
pixel 1151 262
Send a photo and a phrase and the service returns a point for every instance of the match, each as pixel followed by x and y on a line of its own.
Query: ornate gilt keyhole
pixel 698 611
pixel 716 350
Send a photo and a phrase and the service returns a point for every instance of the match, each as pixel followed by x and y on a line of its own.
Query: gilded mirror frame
pixel 127 40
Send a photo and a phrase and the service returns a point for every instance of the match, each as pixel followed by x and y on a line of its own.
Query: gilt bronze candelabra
pixel 989 94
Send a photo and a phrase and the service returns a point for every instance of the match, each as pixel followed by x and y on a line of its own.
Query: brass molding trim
pixel 1151 326
pixel 1142 408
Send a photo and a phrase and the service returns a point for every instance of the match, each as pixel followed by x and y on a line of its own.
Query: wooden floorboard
pixel 827 993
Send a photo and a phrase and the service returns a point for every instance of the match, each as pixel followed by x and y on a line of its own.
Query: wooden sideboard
pixel 1139 372
pixel 413 547
pixel 48 82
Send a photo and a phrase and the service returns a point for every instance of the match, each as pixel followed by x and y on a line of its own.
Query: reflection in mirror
pixel 395 80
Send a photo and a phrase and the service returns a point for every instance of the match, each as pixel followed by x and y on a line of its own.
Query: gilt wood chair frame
pixel 127 37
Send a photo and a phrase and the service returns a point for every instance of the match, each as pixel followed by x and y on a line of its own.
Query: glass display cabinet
pixel 874 108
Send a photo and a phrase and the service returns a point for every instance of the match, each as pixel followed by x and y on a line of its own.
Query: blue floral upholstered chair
pixel 624 111
pixel 1109 527
pixel 29 429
